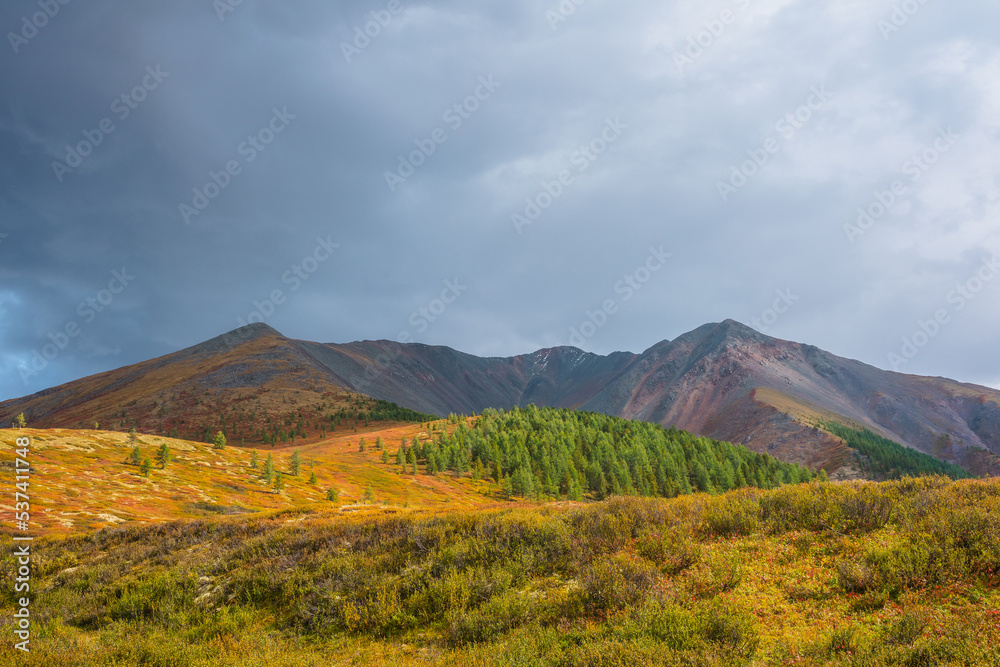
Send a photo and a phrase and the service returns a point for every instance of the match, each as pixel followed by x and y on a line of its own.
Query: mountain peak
pixel 254 330
pixel 734 329
pixel 716 334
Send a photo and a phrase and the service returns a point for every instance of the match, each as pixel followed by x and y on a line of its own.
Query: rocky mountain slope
pixel 722 380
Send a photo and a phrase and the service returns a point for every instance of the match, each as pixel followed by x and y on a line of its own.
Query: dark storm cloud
pixel 290 117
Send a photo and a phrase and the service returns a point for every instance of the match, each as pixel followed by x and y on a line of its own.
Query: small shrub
pixel 868 509
pixel 906 629
pixel 718 572
pixel 854 577
pixel 676 627
pixel 499 615
pixel 732 515
pixel 841 641
pixel 372 608
pixel 870 601
pixel 674 552
pixel 730 628
pixel 618 581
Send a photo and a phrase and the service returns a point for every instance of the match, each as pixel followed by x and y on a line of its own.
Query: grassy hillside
pixel 81 481
pixel 897 573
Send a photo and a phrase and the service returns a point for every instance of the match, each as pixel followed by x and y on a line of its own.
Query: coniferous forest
pixel 886 459
pixel 558 453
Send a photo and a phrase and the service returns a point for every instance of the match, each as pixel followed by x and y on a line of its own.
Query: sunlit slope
pixel 80 479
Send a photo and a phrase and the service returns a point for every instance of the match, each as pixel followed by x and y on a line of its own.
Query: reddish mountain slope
pixel 730 382
pixel 722 380
pixel 244 382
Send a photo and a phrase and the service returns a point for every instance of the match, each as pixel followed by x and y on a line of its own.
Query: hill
pixel 253 384
pixel 83 480
pixel 80 479
pixel 724 381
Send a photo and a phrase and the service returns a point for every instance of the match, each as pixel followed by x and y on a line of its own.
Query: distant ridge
pixel 722 380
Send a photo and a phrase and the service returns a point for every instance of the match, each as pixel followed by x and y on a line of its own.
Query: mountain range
pixel 722 380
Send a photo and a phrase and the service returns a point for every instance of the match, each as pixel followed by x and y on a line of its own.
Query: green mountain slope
pixel 886 459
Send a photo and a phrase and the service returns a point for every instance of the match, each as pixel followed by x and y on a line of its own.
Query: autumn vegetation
pixel 893 573
pixel 523 537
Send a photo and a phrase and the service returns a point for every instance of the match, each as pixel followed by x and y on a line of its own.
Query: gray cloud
pixel 323 176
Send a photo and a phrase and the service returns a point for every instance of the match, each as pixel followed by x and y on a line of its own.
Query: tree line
pixel 884 459
pixel 549 452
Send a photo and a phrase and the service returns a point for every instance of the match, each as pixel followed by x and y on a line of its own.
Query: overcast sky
pixel 506 166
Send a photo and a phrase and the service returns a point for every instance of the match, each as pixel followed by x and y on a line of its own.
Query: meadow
pixel 902 572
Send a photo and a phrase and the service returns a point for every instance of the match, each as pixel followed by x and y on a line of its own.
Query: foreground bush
pixel 903 572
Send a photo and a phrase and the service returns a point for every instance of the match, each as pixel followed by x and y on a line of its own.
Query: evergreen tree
pixel 269 469
pixel 699 475
pixel 361 445
pixel 135 458
pixel 253 459
pixel 312 477
pixel 520 485
pixel 219 441
pixel 145 466
pixel 385 456
pixel 163 456
pixel 131 437
pixel 279 482
pixel 19 421
pixel 332 494
pixel 369 494
pixel 295 463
